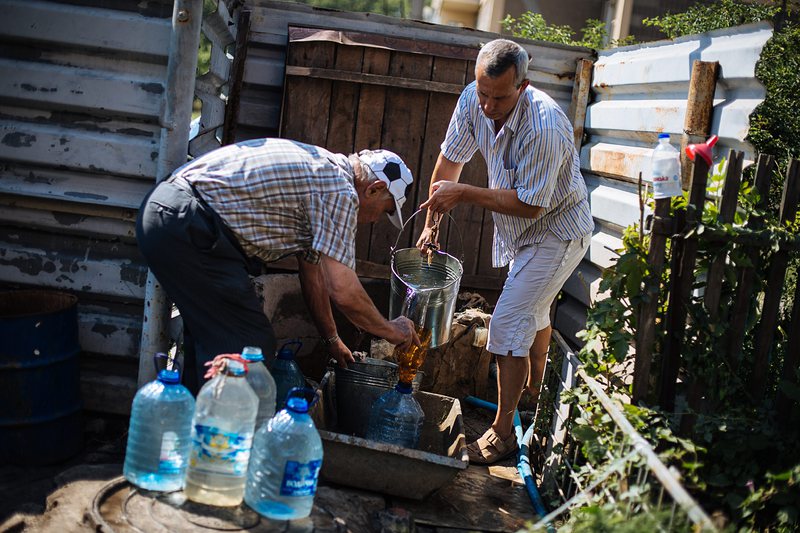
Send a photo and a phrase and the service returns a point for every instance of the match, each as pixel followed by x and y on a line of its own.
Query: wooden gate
pixel 349 91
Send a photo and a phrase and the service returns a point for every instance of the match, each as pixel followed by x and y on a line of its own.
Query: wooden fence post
pixel 792 361
pixel 646 325
pixel 699 111
pixel 746 276
pixel 681 281
pixel 772 297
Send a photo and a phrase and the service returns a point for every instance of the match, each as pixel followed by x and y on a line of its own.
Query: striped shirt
pixel 280 197
pixel 535 154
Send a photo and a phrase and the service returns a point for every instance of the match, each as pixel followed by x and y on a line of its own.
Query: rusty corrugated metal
pixel 81 90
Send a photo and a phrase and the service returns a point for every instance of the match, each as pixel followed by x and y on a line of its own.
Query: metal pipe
pixel 187 16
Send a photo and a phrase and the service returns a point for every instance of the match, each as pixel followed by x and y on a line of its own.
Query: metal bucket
pixel 40 420
pixel 358 386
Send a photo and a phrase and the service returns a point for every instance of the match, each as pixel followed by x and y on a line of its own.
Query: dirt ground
pixel 59 498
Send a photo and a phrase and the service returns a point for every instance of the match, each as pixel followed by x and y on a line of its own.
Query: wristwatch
pixel 330 341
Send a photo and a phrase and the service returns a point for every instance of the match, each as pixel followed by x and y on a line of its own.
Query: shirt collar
pixel 513 121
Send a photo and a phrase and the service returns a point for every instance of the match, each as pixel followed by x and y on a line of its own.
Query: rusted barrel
pixel 40 413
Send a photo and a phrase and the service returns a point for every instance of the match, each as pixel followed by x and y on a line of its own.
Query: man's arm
pixel 315 294
pixel 348 294
pixel 445 196
pixel 445 170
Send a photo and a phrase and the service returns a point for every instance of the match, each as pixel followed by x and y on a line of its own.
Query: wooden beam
pixel 375 79
pixel 699 111
pixel 580 99
pixel 236 78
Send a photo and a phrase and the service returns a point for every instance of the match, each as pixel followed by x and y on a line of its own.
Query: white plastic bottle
pixel 262 382
pixel 666 169
pixel 284 469
pixel 159 437
pixel 222 436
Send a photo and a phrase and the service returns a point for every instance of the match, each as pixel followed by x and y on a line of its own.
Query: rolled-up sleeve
pixel 460 144
pixel 536 173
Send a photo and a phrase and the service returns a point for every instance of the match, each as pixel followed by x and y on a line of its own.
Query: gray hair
pixel 499 55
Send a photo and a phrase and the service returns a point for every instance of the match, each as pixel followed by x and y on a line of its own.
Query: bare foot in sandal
pixel 491 448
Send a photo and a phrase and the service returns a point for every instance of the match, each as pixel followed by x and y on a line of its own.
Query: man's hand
pixel 444 196
pixel 428 236
pixel 341 353
pixel 404 333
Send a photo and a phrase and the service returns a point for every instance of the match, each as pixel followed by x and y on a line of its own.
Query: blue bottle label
pixel 170 460
pixel 300 479
pixel 220 452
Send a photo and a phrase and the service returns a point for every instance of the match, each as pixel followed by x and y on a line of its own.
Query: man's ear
pixel 375 188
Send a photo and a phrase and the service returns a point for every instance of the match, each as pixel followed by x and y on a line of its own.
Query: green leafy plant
pixel 532 25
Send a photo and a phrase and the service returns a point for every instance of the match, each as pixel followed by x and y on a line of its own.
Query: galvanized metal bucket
pixel 425 290
pixel 358 386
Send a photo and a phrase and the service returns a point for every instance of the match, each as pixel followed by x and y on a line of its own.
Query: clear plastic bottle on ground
pixel 284 467
pixel 666 169
pixel 286 373
pixel 159 436
pixel 222 436
pixel 396 418
pixel 262 382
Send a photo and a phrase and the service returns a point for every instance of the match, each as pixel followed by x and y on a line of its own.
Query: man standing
pixel 201 229
pixel 542 219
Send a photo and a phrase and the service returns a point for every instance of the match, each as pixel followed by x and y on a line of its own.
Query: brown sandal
pixel 490 448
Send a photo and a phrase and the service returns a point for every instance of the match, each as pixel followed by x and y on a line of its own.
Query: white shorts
pixel 535 276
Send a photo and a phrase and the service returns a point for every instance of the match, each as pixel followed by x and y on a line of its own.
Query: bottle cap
pixel 663 135
pixel 298 405
pixel 252 354
pixel 702 149
pixel 285 354
pixel 169 376
pixel 235 368
pixel 403 388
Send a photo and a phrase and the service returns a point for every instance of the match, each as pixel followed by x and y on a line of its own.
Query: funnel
pixel 702 149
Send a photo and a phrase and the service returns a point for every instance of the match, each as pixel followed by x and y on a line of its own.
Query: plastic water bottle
pixel 159 436
pixel 396 418
pixel 262 382
pixel 283 472
pixel 666 169
pixel 286 373
pixel 222 436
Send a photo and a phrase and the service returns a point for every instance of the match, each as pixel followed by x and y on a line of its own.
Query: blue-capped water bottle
pixel 284 467
pixel 286 373
pixel 159 436
pixel 262 382
pixel 396 418
pixel 222 435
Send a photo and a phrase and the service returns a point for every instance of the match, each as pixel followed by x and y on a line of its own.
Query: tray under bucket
pixel 388 468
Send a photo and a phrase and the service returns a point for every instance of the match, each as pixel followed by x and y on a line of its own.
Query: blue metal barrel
pixel 40 406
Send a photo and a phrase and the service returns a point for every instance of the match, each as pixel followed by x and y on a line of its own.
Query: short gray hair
pixel 499 55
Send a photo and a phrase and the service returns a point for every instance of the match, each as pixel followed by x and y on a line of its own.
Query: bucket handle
pixel 458 230
pixel 171 362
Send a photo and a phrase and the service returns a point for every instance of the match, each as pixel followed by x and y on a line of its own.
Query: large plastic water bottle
pixel 222 436
pixel 262 382
pixel 284 468
pixel 159 436
pixel 666 169
pixel 396 418
pixel 286 373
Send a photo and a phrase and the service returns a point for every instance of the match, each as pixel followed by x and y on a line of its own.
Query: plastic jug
pixel 286 372
pixel 396 418
pixel 262 382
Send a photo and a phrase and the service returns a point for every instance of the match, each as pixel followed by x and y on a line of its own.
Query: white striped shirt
pixel 533 153
pixel 280 197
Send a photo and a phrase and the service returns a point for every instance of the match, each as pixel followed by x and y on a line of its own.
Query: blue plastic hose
pixel 523 461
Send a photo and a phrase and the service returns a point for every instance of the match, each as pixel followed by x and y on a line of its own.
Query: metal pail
pixel 358 386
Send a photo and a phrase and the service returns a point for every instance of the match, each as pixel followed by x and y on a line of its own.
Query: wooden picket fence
pixel 732 308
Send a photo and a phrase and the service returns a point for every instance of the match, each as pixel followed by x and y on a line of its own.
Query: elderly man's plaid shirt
pixel 280 197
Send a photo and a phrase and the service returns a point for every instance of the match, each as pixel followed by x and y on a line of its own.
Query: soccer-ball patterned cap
pixel 390 169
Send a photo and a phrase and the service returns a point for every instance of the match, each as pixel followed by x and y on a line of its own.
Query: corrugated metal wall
pixel 637 93
pixel 81 90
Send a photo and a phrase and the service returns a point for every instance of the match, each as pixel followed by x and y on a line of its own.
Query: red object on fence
pixel 703 149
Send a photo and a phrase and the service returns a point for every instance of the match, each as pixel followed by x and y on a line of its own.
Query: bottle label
pixel 220 452
pixel 170 460
pixel 300 479
pixel 666 186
